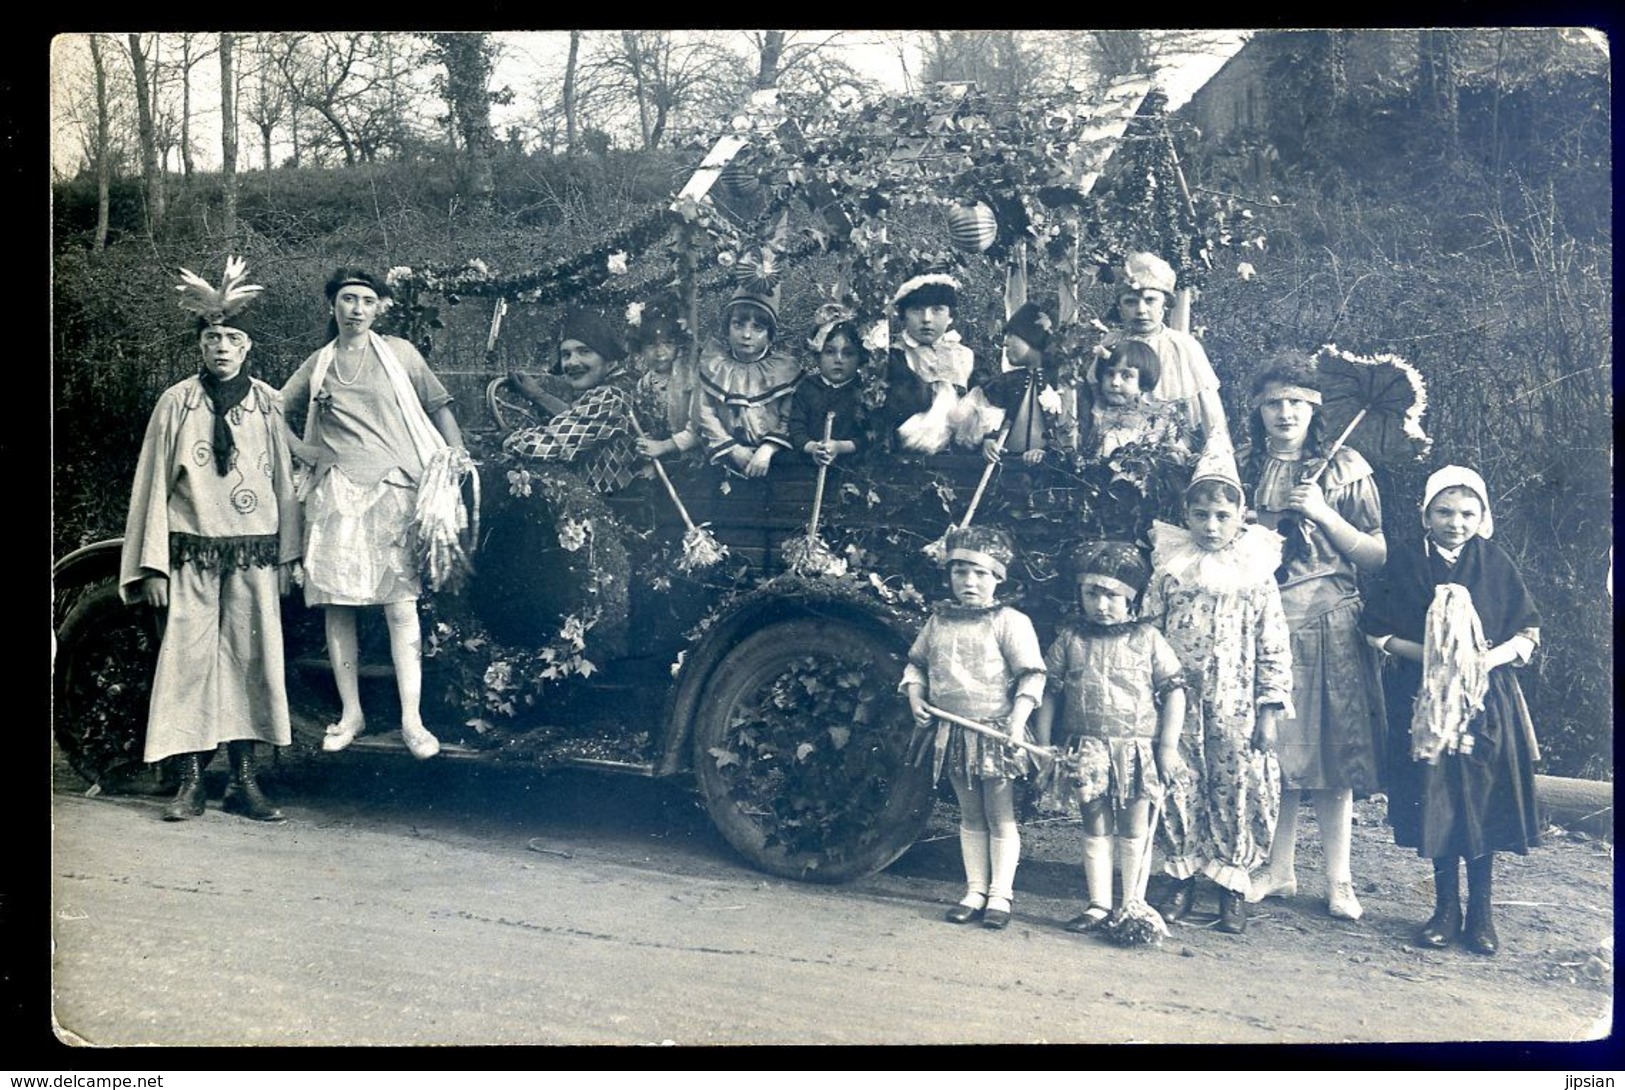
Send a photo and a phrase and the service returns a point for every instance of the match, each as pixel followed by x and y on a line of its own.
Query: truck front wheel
pixel 799 748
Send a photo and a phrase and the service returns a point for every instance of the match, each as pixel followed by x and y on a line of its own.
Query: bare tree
pixel 346 79
pixel 228 131
pixel 192 54
pixel 267 106
pixel 798 61
pixel 100 144
pixel 569 93
pixel 660 76
pixel 151 175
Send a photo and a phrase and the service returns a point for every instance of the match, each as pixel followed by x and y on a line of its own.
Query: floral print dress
pixel 1222 612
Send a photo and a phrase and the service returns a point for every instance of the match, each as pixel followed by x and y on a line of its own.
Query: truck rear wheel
pixel 800 746
pixel 105 656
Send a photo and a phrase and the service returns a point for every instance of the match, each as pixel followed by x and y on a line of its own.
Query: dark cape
pixel 1483 801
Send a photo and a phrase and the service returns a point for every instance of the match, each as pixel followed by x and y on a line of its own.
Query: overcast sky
pixel 531 62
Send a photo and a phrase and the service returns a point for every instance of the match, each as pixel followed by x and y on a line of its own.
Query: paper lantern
pixel 972 228
pixel 739 179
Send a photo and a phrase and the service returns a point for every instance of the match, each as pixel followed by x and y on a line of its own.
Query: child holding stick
pixel 979 660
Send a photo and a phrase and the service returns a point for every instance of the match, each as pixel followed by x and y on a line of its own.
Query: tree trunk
pixel 634 60
pixel 186 106
pixel 1436 82
pixel 228 133
pixel 570 93
pixel 767 71
pixel 103 166
pixel 467 58
pixel 151 175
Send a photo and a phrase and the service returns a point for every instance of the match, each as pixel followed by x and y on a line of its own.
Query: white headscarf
pixel 1460 477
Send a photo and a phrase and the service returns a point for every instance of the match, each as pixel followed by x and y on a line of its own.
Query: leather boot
pixel 1177 904
pixel 1232 912
pixel 188 801
pixel 244 796
pixel 1444 925
pixel 1480 935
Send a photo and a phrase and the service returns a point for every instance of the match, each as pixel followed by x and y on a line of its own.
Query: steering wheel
pixel 507 406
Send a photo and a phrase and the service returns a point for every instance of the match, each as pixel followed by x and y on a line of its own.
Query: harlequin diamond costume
pixel 594 432
pixel 212 513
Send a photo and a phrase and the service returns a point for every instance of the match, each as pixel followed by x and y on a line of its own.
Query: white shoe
pixel 418 739
pixel 1268 885
pixel 1341 902
pixel 339 738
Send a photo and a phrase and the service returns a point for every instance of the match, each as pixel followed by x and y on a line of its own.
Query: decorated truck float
pixel 747 634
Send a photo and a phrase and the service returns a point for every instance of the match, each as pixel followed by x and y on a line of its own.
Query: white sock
pixel 1283 860
pixel 1006 855
pixel 1128 861
pixel 1097 869
pixel 974 850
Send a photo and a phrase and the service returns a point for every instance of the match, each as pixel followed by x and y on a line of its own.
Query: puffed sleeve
pixel 1055 664
pixel 146 526
pixel 1353 493
pixel 919 657
pixel 1022 654
pixel 1167 672
pixel 1155 603
pixel 1272 666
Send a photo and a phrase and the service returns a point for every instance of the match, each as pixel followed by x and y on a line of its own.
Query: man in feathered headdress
pixel 212 535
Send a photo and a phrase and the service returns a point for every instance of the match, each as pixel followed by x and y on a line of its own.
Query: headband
pixel 1110 583
pixel 976 556
pixel 1283 390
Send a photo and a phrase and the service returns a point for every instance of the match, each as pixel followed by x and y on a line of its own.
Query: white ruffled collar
pixel 1250 559
pixel 949 337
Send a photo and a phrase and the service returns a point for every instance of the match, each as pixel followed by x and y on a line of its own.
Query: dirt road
pixel 407 903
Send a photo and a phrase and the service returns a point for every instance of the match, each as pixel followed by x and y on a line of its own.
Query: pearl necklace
pixel 361 362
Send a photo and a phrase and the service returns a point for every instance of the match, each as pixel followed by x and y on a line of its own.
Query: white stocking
pixel 973 849
pixel 1097 869
pixel 1335 812
pixel 1006 855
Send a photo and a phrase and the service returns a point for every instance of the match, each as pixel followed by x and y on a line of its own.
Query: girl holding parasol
pixel 1323 500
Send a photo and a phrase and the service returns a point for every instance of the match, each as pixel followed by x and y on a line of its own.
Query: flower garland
pixel 497 684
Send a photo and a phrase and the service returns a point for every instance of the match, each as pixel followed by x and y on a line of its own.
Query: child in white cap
pixel 1452 610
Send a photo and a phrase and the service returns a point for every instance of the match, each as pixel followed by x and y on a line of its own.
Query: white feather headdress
pixel 218 306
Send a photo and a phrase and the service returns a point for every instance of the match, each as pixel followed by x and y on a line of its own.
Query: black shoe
pixel 1091 920
pixel 189 799
pixel 962 914
pixel 1479 936
pixel 1232 912
pixel 1442 927
pixel 244 796
pixel 1177 905
pixel 997 919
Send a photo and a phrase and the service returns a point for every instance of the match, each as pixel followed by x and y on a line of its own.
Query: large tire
pixel 105 656
pixel 799 748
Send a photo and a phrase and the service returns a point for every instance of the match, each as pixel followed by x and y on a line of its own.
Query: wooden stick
pixel 979 728
pixel 1337 446
pixel 818 491
pixel 987 475
pixel 661 470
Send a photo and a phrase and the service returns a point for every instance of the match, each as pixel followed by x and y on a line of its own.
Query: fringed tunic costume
pixel 593 433
pixel 814 399
pixel 1222 612
pixel 1465 804
pixel 924 387
pixel 974 661
pixel 361 497
pixel 1336 739
pixel 744 402
pixel 1186 372
pixel 1111 680
pixel 219 540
